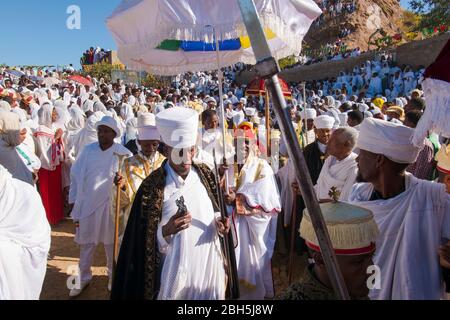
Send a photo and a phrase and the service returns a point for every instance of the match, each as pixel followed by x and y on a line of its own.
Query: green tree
pixel 433 13
pixel 410 21
pixel 155 81
pixel 287 62
pixel 101 70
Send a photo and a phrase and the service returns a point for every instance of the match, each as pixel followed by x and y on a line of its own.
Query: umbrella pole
pixel 221 109
pixel 306 115
pixel 268 144
pixel 268 68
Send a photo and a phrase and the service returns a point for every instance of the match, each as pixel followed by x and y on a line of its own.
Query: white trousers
pixel 87 255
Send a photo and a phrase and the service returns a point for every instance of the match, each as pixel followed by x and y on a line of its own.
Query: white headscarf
pixel 9 128
pixel 5 106
pixel 23 223
pixel 88 105
pixel 131 130
pixel 21 113
pixel 87 135
pixel 126 112
pixel 98 106
pixel 77 121
pixel 63 115
pixel 45 115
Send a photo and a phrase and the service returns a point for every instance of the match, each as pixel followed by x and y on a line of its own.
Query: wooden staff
pixel 292 247
pixel 304 112
pixel 117 216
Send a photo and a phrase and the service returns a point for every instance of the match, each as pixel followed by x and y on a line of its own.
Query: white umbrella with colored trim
pixel 168 37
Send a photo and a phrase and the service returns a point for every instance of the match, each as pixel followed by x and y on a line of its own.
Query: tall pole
pixel 268 68
pixel 268 135
pixel 221 107
pixel 306 115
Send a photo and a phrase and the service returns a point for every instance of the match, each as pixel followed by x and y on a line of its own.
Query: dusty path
pixel 64 254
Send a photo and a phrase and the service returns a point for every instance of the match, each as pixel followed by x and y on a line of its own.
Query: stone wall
pixel 416 53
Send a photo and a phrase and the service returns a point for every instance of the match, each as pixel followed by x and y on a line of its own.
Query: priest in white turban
pixel 178 254
pixel 413 215
pixel 137 168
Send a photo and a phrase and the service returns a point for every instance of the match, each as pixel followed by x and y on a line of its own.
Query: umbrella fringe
pixel 175 69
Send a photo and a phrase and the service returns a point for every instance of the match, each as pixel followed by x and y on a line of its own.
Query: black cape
pixel 314 160
pixel 137 274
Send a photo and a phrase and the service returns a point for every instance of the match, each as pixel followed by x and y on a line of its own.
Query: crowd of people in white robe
pixel 71 114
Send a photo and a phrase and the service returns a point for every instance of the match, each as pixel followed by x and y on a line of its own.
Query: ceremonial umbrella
pixel 81 80
pixel 169 37
pixel 36 78
pixel 15 73
pixel 257 87
pixel 50 81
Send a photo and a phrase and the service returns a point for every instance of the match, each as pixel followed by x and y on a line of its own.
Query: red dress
pixel 50 181
pixel 50 187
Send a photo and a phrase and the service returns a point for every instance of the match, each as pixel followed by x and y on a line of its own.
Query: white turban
pixel 147 127
pixel 363 107
pixel 389 139
pixel 178 127
pixel 250 112
pixel 310 113
pixel 324 122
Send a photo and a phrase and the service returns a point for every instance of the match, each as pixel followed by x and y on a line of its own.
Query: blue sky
pixel 35 32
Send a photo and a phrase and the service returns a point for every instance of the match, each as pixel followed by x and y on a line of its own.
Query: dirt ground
pixel 64 256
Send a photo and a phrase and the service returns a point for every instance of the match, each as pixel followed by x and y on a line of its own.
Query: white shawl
pixel 412 227
pixel 24 240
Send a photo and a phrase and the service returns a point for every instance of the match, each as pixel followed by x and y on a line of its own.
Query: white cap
pixel 250 111
pixel 178 127
pixel 110 122
pixel 243 101
pixel 146 124
pixel 211 99
pixel 310 113
pixel 324 122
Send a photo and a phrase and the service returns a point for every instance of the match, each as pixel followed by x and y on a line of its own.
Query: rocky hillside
pixel 369 16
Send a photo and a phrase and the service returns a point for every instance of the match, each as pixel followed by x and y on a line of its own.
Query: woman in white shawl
pixel 11 136
pixel 63 116
pixel 126 114
pixel 85 136
pixel 24 240
pixel 5 106
pixel 50 150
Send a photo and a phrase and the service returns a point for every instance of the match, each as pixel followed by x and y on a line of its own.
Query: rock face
pixel 368 17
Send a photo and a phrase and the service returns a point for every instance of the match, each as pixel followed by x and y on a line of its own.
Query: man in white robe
pixel 375 85
pixel 256 202
pixel 192 261
pixel 24 240
pixel 92 176
pixel 340 168
pixel 137 168
pixel 413 215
